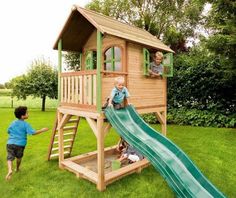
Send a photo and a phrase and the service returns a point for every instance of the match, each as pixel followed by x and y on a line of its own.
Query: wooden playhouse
pixel 108 48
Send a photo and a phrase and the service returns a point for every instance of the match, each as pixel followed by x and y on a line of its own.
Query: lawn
pixel 8 101
pixel 212 149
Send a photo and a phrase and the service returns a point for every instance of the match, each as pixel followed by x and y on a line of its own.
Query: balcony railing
pixel 78 88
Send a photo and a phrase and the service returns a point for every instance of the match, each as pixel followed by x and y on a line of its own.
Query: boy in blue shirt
pixel 118 93
pixel 17 140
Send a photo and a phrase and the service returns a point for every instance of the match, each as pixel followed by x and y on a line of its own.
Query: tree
pixel 173 21
pixel 72 60
pixel 40 81
pixel 222 23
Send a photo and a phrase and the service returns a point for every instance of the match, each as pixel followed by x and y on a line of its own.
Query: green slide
pixel 173 164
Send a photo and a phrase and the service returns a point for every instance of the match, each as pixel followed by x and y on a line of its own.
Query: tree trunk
pixel 43 102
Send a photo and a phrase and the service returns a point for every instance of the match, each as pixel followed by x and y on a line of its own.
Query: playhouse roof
pixel 82 22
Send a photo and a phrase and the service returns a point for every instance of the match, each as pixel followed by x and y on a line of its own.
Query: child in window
pixel 156 68
pixel 118 94
pixel 17 140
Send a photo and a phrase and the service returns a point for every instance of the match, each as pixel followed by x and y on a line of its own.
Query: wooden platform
pixel 85 166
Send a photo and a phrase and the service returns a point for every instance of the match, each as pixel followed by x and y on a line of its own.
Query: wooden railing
pixel 78 88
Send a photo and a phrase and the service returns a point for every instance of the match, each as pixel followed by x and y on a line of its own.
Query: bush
pixel 194 117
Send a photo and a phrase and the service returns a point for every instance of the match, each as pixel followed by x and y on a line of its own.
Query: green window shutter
pixel 168 65
pixel 146 61
pixel 89 60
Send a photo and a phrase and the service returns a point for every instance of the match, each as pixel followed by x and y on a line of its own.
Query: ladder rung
pixel 73 121
pixel 57 148
pixel 68 128
pixel 65 134
pixel 68 140
pixel 57 154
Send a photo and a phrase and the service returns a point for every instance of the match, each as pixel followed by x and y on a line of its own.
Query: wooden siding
pixel 145 91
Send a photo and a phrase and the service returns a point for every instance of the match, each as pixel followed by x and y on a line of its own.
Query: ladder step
pixel 73 121
pixel 57 148
pixel 67 128
pixel 65 134
pixel 57 154
pixel 68 140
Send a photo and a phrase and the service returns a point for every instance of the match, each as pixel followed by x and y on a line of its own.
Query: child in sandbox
pixel 128 152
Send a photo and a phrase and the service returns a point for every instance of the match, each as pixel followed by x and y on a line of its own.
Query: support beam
pixel 161 116
pixel 63 121
pixel 99 79
pixel 100 157
pixel 93 126
pixel 60 141
pixel 59 68
pixel 106 127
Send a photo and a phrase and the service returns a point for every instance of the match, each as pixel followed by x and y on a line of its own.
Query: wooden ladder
pixel 69 134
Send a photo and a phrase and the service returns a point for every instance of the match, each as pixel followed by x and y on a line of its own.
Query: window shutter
pixel 168 65
pixel 89 60
pixel 146 61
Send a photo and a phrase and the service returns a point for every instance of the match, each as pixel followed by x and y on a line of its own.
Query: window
pixel 112 59
pixel 167 63
pixel 91 60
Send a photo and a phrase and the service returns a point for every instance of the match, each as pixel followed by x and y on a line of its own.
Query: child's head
pixel 158 57
pixel 119 82
pixel 21 112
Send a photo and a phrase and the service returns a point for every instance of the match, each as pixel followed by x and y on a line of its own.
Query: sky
pixel 29 29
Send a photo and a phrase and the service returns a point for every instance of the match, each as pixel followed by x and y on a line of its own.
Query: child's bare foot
pixel 9 174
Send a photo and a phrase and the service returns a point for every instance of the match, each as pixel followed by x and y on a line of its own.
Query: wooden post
pixel 60 140
pixel 99 79
pixel 163 126
pixel 100 156
pixel 59 68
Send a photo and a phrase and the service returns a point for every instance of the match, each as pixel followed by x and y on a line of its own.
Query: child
pixel 127 153
pixel 118 93
pixel 131 154
pixel 17 140
pixel 156 68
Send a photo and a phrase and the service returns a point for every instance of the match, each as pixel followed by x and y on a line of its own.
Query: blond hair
pixel 160 54
pixel 119 79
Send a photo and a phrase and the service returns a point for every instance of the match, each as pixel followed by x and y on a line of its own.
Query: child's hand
pixel 44 129
pixel 110 105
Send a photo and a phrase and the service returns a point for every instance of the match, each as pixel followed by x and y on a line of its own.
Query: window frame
pixel 113 59
pixel 166 66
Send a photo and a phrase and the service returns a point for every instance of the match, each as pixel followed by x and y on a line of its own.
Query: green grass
pixel 5 92
pixel 30 102
pixel 212 149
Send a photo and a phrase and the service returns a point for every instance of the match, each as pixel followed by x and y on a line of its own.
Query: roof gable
pixel 82 22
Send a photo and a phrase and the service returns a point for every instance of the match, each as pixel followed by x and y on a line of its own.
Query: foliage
pixel 222 23
pixel 194 117
pixel 72 60
pixel 202 81
pixel 164 19
pixel 40 81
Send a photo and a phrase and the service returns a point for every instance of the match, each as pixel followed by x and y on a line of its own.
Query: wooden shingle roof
pixel 82 22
